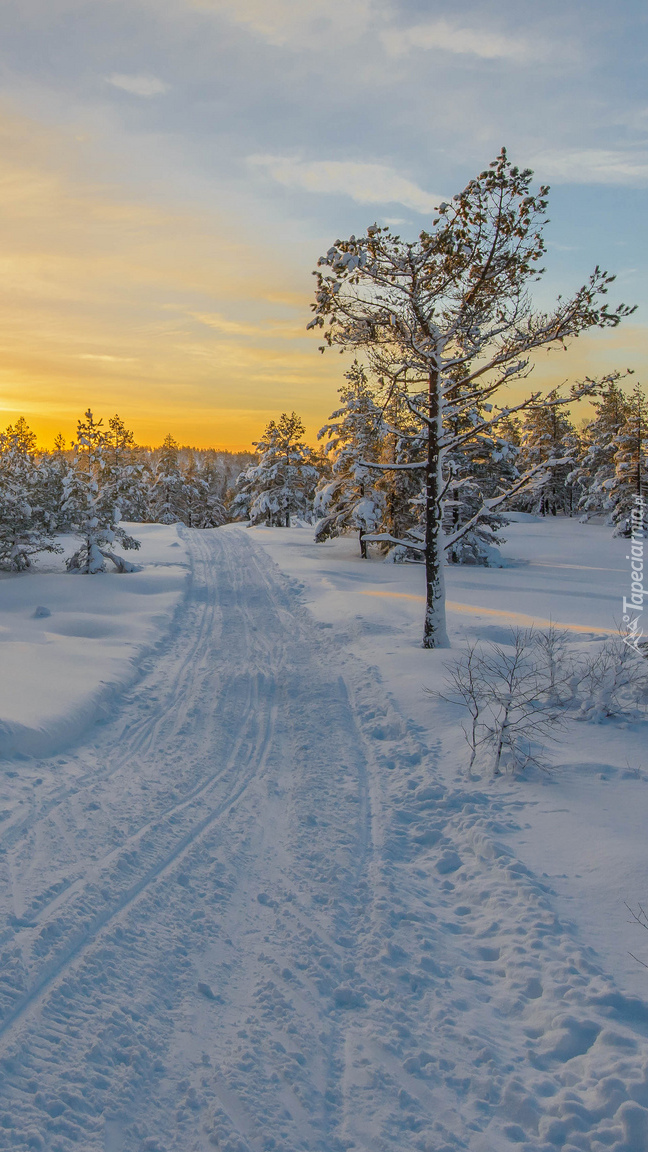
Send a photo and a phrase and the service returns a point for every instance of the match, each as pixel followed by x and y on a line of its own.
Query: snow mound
pixel 70 646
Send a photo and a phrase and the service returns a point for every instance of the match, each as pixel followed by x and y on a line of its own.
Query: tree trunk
pixel 434 633
pixel 363 543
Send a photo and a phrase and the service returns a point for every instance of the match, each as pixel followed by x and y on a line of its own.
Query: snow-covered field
pixel 261 906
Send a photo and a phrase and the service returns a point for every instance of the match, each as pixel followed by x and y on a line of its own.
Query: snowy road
pixel 247 915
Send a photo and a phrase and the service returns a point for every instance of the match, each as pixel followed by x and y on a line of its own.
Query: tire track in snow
pixel 91 932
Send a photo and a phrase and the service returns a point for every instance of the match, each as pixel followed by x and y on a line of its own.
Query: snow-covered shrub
pixel 612 683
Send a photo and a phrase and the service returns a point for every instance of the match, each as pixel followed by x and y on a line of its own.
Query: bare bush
pixel 505 693
pixel 517 696
pixel 614 683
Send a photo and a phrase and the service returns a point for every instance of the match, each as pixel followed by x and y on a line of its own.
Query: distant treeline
pixel 366 479
pixel 101 479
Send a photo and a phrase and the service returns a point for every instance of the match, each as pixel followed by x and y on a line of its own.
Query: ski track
pixel 247 915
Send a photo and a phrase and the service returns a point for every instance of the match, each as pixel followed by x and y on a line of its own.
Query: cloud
pixel 223 325
pixel 591 166
pixel 105 358
pixel 364 183
pixel 446 37
pixel 285 21
pixel 138 85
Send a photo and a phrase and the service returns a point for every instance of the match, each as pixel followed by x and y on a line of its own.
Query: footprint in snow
pixel 449 862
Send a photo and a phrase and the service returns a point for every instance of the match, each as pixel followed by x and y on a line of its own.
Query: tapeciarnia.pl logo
pixel 633 607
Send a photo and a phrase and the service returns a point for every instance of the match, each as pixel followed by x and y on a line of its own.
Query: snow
pixel 262 906
pixel 71 643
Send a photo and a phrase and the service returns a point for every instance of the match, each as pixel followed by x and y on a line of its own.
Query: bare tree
pixel 447 321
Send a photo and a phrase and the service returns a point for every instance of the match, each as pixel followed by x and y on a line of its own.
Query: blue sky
pixel 173 168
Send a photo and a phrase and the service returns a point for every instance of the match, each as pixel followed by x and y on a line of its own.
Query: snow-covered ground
pixel 70 644
pixel 262 906
pixel 585 825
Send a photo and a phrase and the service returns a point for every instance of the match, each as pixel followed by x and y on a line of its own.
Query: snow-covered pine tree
pixel 199 504
pixel 479 468
pixel 350 500
pixel 55 468
pixel 25 529
pixel 212 512
pixel 630 463
pixel 595 469
pixel 282 484
pixel 126 473
pixel 166 493
pixel 90 500
pixel 464 501
pixel 548 435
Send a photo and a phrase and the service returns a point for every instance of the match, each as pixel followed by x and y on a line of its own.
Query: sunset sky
pixel 172 169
